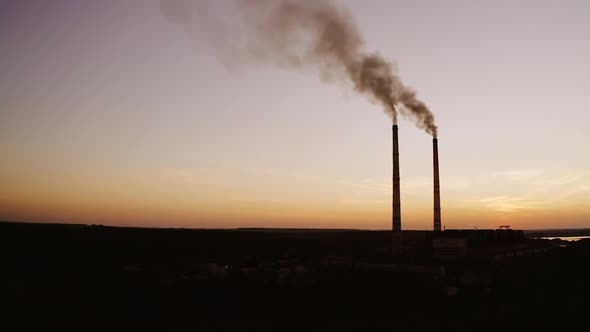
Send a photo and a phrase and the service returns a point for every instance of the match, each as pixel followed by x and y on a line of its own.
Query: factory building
pixel 476 243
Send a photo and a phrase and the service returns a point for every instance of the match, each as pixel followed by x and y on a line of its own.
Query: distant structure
pixel 437 227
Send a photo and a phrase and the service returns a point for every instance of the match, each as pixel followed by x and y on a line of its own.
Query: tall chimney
pixel 437 227
pixel 396 211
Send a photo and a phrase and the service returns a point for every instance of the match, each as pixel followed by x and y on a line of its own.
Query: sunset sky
pixel 111 113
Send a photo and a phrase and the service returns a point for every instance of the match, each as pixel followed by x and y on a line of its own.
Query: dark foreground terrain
pixel 95 278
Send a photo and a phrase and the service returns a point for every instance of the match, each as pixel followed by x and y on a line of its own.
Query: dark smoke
pixel 298 34
pixel 422 116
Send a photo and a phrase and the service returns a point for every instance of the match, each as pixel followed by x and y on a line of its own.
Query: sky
pixel 111 114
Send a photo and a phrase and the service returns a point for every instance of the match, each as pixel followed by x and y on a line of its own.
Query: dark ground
pixel 84 278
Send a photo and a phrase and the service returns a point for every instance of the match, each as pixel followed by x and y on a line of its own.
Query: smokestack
pixel 396 211
pixel 437 227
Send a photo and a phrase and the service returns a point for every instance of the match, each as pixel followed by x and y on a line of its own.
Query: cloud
pixel 505 203
pixel 516 192
pixel 519 174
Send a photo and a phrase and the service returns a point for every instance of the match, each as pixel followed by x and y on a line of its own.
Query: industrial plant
pixel 253 278
pixel 437 244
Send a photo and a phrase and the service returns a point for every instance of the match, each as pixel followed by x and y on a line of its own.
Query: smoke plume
pixel 302 35
pixel 416 108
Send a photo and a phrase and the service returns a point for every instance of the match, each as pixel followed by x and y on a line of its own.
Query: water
pixel 567 238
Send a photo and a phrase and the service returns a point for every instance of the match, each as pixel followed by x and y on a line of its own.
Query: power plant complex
pixel 450 244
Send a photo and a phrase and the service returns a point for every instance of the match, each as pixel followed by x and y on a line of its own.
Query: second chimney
pixel 396 210
pixel 437 227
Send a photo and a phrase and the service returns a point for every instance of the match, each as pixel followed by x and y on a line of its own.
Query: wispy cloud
pixel 505 203
pixel 559 180
pixel 370 185
pixel 519 174
pixel 510 192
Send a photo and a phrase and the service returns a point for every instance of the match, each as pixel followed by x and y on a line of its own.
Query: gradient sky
pixel 110 114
